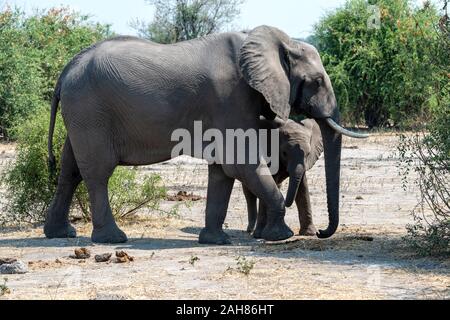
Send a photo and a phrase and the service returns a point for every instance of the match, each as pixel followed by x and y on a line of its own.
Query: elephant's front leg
pixel 303 203
pixel 264 187
pixel 261 222
pixel 220 187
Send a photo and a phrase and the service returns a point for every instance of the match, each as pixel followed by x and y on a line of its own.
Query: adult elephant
pixel 123 98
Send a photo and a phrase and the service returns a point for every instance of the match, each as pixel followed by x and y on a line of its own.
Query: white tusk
pixel 345 132
pixel 279 121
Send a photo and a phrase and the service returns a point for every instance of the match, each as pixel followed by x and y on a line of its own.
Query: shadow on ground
pixel 383 251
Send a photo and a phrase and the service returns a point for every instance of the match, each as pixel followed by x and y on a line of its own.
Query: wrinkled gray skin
pixel 123 98
pixel 300 148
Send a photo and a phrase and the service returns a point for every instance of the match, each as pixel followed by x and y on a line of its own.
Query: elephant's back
pixel 110 59
pixel 138 81
pixel 131 64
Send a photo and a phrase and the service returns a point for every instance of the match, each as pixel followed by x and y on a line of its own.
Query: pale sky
pixel 295 17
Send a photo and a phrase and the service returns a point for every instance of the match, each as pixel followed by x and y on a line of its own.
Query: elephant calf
pixel 300 148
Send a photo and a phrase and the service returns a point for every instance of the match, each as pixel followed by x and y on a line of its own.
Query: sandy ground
pixel 170 264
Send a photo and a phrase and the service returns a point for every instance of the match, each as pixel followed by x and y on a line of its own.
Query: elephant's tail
pixel 54 111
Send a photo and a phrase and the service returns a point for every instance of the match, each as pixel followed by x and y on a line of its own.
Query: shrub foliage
pixel 427 154
pixel 380 69
pixel 33 51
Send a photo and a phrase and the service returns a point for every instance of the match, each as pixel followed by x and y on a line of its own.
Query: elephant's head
pixel 300 148
pixel 291 77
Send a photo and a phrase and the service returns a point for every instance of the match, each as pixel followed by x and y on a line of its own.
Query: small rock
pixel 81 254
pixel 103 257
pixel 359 198
pixel 17 267
pixel 123 257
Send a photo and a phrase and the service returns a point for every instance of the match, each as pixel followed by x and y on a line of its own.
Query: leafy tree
pixel 20 79
pixel 33 51
pixel 381 73
pixel 180 20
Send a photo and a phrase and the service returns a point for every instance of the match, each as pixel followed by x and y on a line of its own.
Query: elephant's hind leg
pixel 220 187
pixel 57 221
pixel 251 208
pixel 97 161
pixel 105 228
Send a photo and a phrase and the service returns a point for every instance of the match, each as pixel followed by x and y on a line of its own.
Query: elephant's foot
pixel 109 234
pixel 258 233
pixel 216 237
pixel 310 231
pixel 59 231
pixel 277 232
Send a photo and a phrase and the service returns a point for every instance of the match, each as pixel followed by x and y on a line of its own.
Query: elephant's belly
pixel 144 156
pixel 143 133
pixel 145 148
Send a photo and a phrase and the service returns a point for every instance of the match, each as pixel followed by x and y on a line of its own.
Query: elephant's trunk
pixel 295 178
pixel 332 142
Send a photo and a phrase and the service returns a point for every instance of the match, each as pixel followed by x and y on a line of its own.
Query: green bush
pixel 29 190
pixel 427 154
pixel 127 194
pixel 382 76
pixel 33 51
pixel 20 79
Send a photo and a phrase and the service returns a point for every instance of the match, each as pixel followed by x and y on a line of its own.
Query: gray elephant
pixel 300 148
pixel 123 98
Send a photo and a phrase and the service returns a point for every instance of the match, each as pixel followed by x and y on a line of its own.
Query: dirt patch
pixel 54 264
pixel 184 196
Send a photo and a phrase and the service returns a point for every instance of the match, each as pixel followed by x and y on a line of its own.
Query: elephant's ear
pixel 264 63
pixel 316 144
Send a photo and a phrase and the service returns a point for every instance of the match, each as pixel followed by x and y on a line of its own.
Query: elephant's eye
pixel 319 81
